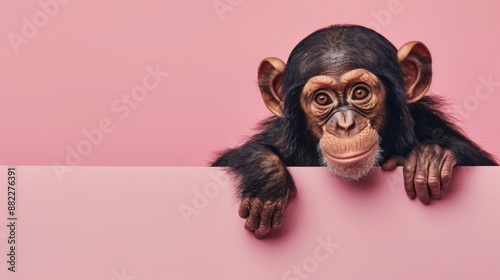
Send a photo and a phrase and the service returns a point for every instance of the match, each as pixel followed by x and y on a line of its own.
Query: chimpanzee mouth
pixel 352 159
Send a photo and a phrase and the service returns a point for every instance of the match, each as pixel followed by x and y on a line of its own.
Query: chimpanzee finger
pixel 434 178
pixel 244 210
pixel 253 219
pixel 447 169
pixel 409 173
pixel 278 212
pixel 420 179
pixel 280 208
pixel 278 218
pixel 266 216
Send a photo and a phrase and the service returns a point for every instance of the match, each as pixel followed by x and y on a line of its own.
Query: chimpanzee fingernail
pixel 411 195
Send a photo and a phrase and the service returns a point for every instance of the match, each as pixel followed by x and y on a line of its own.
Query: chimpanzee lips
pixel 351 158
pixel 350 150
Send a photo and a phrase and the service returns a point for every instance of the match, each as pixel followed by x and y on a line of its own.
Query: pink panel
pixel 126 223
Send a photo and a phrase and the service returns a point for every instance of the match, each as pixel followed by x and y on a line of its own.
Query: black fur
pixel 290 142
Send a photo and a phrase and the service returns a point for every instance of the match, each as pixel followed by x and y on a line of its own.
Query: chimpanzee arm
pixel 434 127
pixel 264 184
pixel 441 145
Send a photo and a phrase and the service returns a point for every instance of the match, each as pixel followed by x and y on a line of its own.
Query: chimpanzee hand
pixel 262 213
pixel 427 170
pixel 265 185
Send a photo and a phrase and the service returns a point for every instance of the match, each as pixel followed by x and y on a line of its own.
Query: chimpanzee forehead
pixel 337 61
pixel 341 48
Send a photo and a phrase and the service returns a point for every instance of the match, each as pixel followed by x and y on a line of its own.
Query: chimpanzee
pixel 349 100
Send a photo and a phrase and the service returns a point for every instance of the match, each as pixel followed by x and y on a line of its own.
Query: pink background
pixel 95 222
pixel 101 220
pixel 66 76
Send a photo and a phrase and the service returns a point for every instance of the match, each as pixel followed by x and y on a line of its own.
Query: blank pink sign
pixel 181 223
pixel 170 82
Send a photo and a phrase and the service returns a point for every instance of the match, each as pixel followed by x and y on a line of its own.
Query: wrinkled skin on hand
pixel 427 171
pixel 263 215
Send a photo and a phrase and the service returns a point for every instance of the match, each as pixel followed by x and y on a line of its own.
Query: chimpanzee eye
pixel 322 99
pixel 360 93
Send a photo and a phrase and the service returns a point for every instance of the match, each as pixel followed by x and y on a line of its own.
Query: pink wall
pixel 65 67
pixel 125 223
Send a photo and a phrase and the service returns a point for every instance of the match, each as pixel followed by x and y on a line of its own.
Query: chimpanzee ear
pixel 416 62
pixel 270 84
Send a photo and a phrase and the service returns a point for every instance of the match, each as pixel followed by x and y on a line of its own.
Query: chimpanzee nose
pixel 346 123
